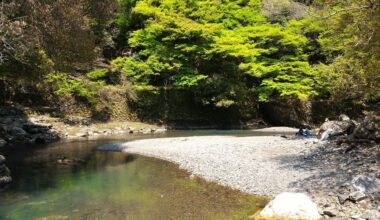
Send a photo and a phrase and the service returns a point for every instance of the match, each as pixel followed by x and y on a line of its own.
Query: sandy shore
pixel 258 165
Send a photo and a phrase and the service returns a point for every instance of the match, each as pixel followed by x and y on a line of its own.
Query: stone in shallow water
pixel 291 206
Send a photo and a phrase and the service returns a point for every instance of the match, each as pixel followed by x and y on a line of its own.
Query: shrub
pixel 64 85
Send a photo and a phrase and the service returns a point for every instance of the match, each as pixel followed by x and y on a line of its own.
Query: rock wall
pixel 182 109
pixel 288 112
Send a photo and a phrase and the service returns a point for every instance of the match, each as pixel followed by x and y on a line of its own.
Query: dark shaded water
pixel 112 185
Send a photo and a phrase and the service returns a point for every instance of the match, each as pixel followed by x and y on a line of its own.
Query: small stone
pixel 357 196
pixel 5 180
pixel 342 198
pixel 329 213
pixel 82 134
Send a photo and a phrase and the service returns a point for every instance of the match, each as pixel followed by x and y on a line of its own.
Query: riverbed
pixel 73 180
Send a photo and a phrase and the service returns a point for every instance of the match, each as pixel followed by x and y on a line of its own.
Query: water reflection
pixel 110 185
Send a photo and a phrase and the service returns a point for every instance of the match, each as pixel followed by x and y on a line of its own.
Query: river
pixel 90 184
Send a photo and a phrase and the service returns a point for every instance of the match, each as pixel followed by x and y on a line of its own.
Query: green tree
pixel 222 50
pixel 352 42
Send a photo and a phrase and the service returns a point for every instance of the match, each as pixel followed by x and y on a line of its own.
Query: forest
pixel 181 60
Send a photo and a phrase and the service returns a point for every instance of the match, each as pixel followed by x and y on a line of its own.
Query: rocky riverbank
pixel 16 127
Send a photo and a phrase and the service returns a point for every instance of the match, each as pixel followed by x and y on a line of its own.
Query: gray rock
pixel 146 131
pixel 369 128
pixel 3 169
pixel 331 129
pixel 5 180
pixel 343 117
pixel 342 198
pixel 36 128
pixel 82 134
pixel 357 196
pixel 3 130
pixel 366 184
pixel 2 142
pixel 2 159
pixel 159 130
pixel 17 131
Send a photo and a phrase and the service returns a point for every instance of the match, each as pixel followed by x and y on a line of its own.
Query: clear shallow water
pixel 112 185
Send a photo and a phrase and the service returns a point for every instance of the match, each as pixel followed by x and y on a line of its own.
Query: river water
pixel 91 184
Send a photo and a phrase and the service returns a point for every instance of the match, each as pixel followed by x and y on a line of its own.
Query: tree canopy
pixel 223 52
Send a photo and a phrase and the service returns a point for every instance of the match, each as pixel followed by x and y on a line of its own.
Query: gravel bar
pixel 262 165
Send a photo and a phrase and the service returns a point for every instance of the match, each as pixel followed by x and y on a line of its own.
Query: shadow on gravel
pixel 331 165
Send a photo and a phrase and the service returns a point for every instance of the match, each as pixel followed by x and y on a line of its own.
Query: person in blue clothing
pixel 300 133
pixel 307 133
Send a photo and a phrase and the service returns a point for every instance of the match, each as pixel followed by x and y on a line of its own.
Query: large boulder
pixel 369 128
pixel 290 206
pixel 331 129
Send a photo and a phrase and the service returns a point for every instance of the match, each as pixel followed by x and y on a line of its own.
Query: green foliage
pixel 66 86
pixel 273 54
pixel 199 44
pixel 97 74
pixel 352 43
pixel 223 54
